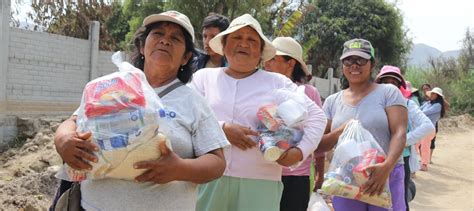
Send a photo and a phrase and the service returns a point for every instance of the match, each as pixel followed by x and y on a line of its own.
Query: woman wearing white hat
pixel 289 62
pixel 433 109
pixel 163 50
pixel 235 93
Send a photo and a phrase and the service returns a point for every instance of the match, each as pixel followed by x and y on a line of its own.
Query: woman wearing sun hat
pixel 163 51
pixel 381 109
pixel 419 126
pixel 289 62
pixel 434 109
pixel 235 93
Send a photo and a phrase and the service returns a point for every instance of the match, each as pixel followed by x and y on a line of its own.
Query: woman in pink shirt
pixel 235 93
pixel 289 62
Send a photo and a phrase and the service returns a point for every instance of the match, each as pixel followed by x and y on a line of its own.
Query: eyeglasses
pixel 354 60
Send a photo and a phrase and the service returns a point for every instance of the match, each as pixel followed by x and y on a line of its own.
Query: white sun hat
pixel 436 90
pixel 238 23
pixel 287 46
pixel 171 16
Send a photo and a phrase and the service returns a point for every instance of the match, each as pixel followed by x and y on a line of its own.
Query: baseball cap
pixel 171 16
pixel 358 47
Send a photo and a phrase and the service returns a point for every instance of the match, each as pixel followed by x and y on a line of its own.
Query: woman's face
pixel 426 88
pixel 433 96
pixel 165 49
pixel 356 69
pixel 279 64
pixel 242 49
pixel 390 80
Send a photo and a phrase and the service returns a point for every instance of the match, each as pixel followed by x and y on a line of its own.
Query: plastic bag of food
pixel 126 119
pixel 281 123
pixel 355 151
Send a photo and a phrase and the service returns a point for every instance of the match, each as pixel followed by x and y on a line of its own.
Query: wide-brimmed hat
pixel 171 16
pixel 358 47
pixel 436 90
pixel 287 46
pixel 238 23
pixel 392 72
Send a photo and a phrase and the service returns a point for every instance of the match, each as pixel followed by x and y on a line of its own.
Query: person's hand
pixel 169 167
pixel 379 174
pixel 239 136
pixel 318 182
pixel 76 150
pixel 290 157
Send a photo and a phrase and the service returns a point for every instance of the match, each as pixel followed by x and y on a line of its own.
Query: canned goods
pixel 267 145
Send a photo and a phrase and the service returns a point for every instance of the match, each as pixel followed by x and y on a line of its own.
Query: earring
pixel 142 57
pixel 181 68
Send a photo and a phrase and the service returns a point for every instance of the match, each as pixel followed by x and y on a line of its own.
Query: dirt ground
pixel 27 179
pixel 448 183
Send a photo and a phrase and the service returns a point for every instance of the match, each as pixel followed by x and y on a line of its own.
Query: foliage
pixel 336 21
pixel 133 12
pixel 454 76
pixel 72 18
pixel 198 10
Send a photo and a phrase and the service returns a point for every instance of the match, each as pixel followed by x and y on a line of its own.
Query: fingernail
pixel 96 148
pixel 135 166
pixel 90 168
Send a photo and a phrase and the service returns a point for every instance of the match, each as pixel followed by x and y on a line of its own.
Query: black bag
pixel 411 190
pixel 70 200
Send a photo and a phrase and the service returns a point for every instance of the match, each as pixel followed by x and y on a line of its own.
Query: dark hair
pixel 439 100
pixel 139 42
pixel 298 74
pixel 428 85
pixel 216 20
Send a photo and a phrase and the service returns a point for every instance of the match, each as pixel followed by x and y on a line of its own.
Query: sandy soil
pixel 448 183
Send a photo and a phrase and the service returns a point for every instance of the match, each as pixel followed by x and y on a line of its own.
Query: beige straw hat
pixel 436 90
pixel 238 23
pixel 287 46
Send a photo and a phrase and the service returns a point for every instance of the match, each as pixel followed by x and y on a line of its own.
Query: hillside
pixel 420 54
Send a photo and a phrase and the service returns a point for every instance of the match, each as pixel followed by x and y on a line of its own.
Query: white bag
pixel 317 203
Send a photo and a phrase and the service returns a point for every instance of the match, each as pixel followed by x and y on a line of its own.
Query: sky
pixel 438 23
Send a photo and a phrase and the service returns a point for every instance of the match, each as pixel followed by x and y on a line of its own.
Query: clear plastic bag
pixel 281 123
pixel 355 151
pixel 125 117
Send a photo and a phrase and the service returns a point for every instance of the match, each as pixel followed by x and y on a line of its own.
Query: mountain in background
pixel 420 53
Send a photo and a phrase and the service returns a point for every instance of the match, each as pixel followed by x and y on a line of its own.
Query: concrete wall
pixel 44 74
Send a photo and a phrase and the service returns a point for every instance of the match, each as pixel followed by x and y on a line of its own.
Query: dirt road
pixel 449 182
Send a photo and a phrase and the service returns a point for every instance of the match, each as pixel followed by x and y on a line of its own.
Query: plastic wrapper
pixel 127 122
pixel 355 151
pixel 281 123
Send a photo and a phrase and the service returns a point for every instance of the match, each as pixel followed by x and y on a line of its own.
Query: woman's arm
pixel 330 138
pixel 433 109
pixel 73 147
pixel 397 120
pixel 170 167
pixel 421 125
pixel 314 127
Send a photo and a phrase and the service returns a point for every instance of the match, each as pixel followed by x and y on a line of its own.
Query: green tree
pixel 72 18
pixel 198 10
pixel 133 12
pixel 335 21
